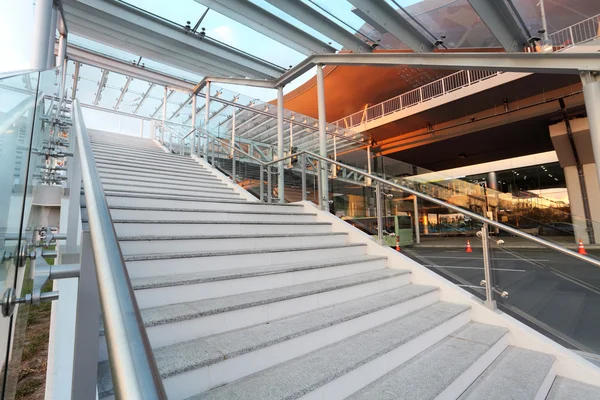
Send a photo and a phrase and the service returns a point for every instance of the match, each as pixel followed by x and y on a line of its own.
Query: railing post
pixel 269 189
pixel 233 167
pixel 468 77
pixel 571 35
pixel 417 228
pixel 379 210
pixel 303 164
pixel 487 269
pixel 319 183
pixel 261 183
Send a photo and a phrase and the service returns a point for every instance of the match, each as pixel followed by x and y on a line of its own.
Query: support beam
pixel 503 23
pixel 280 180
pixel 82 55
pixel 101 86
pixel 123 91
pixel 144 97
pixel 128 27
pixel 41 40
pixel 394 23
pixel 75 80
pixel 591 95
pixel 324 176
pixel 262 21
pixel 311 17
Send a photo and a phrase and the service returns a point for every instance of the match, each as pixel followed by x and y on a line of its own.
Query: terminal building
pixel 277 199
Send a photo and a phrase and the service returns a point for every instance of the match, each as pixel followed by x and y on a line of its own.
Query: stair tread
pixel 176 358
pixel 197 254
pixel 568 389
pixel 196 309
pixel 200 210
pixel 165 196
pixel 237 273
pixel 516 374
pixel 304 374
pixel 196 199
pixel 192 222
pixel 431 372
pixel 226 237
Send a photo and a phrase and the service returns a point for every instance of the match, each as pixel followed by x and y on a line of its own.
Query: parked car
pixel 557 229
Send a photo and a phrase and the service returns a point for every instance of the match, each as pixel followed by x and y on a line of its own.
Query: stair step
pixel 339 369
pixel 161 214
pixel 175 167
pixel 158 244
pixel 185 321
pixel 445 370
pixel 158 155
pixel 141 162
pixel 125 200
pixel 183 263
pixel 136 228
pixel 183 191
pixel 164 182
pixel 206 196
pixel 517 374
pixel 567 389
pixel 145 173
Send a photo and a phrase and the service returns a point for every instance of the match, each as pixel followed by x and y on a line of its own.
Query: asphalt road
pixel 554 292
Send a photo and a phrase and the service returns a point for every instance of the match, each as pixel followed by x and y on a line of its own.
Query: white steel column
pixel 206 118
pixel 52 38
pixel 232 144
pixel 62 61
pixel 141 128
pixel 334 172
pixel 193 145
pixel 164 116
pixel 291 146
pixel 591 94
pixel 324 192
pixel 41 40
pixel 369 165
pixel 280 179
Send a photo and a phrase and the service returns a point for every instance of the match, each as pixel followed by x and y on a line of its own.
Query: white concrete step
pixel 177 323
pixel 157 163
pixel 147 265
pixel 164 214
pixel 214 192
pixel 175 196
pixel 517 374
pixel 338 370
pixel 157 155
pixel 134 173
pixel 167 182
pixel 181 288
pixel 443 371
pixel 144 171
pixel 137 228
pixel 195 204
pixel 135 245
pixel 568 389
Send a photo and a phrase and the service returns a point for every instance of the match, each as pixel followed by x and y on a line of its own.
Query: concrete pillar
pixel 591 94
pixel 322 137
pixel 280 180
pixel 576 203
pixel 42 22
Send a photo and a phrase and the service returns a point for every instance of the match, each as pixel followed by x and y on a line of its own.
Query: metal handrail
pixel 430 199
pixel 132 364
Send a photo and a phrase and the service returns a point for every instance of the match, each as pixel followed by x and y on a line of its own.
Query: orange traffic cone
pixel 397 243
pixel 581 249
pixel 469 249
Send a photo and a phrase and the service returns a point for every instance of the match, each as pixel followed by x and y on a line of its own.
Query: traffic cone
pixel 469 249
pixel 581 249
pixel 397 243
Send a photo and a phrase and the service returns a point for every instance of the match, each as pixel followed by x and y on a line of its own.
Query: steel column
pixel 379 212
pixel 261 183
pixel 280 176
pixel 193 140
pixel 487 269
pixel 303 161
pixel 52 36
pixel 232 146
pixel 164 113
pixel 591 94
pixel 324 192
pixel 41 38
pixel 416 221
pixel 207 118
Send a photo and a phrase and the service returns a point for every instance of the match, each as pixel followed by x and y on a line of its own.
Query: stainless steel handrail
pixel 433 200
pixel 132 364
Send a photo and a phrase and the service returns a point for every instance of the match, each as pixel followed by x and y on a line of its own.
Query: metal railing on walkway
pixel 579 33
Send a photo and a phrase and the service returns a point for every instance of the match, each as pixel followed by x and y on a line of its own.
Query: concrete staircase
pixel 244 300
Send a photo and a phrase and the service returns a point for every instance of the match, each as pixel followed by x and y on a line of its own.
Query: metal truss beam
pixel 160 107
pixel 394 23
pixel 255 127
pixel 123 91
pixel 311 17
pixel 252 118
pixel 219 111
pixel 101 86
pixel 181 106
pixel 144 97
pixel 128 27
pixel 81 55
pixel 75 80
pixel 262 21
pixel 503 24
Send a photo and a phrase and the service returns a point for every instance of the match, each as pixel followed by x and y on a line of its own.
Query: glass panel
pixel 559 15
